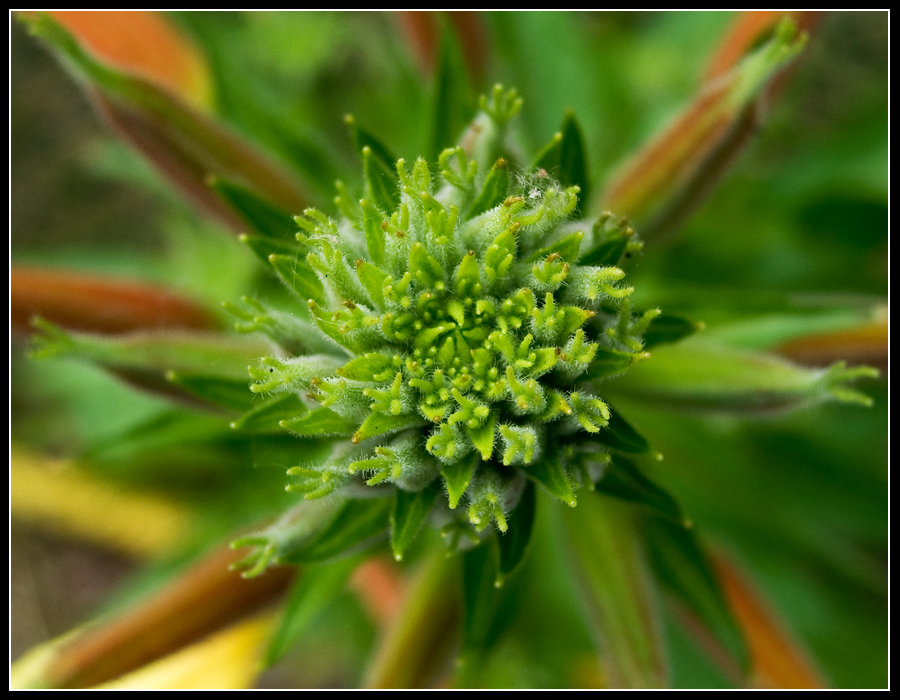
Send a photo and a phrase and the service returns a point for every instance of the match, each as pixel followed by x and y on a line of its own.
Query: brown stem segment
pixel 207 597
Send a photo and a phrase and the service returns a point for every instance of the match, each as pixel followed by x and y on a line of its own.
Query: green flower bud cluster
pixel 457 324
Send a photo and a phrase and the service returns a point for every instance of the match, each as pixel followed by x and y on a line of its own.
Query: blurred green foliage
pixel 799 500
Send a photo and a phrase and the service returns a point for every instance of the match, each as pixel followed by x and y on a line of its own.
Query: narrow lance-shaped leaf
pixel 701 376
pixel 619 595
pixel 564 159
pixel 410 511
pixel 263 217
pixel 156 351
pixel 317 586
pixel 621 478
pixel 656 173
pixel 481 600
pixel 683 568
pixel 514 542
pixel 185 145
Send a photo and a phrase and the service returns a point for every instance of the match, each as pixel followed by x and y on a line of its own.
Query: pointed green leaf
pixel 453 101
pixel 621 436
pixel 185 145
pixel 481 603
pixel 299 277
pixel 621 478
pixel 264 247
pixel 363 139
pixel 699 375
pixel 514 542
pixel 563 158
pixel 410 511
pixel 230 393
pixel 667 328
pixel 608 362
pixel 314 589
pixel 371 367
pixel 567 248
pixel 155 351
pixel 381 182
pixel 373 280
pixel 483 437
pixel 618 591
pixel 268 417
pixel 357 522
pixel 379 424
pixel 681 565
pixel 457 477
pixel 548 472
pixel 322 421
pixel 494 190
pixel 261 216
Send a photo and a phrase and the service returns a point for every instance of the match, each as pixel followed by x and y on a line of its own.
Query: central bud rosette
pixel 456 326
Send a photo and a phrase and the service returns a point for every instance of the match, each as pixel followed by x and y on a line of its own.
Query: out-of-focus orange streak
pixel 778 661
pixel 421 31
pixel 745 33
pixel 96 304
pixel 144 43
pixel 380 588
pixel 861 345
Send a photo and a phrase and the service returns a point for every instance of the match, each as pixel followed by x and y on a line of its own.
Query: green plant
pixel 462 334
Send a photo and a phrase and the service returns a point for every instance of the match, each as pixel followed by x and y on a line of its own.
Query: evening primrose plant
pixel 445 375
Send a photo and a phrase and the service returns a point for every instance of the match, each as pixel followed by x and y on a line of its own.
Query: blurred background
pixel 804 211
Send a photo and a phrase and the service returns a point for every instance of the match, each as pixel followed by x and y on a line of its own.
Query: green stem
pixel 414 647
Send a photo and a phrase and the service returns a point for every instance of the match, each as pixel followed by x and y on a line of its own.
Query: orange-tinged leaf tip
pixel 143 43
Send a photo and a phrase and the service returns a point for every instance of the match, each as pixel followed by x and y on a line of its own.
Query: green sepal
pixel 322 421
pixel 680 564
pixel 622 479
pixel 299 277
pixel 230 393
pixel 372 222
pixel 458 476
pixel 379 424
pixel 382 185
pixel 263 217
pixel 563 158
pixel 549 473
pixel 567 248
pixel 371 367
pixel 358 521
pixel 621 436
pixel 311 593
pixel 608 241
pixel 513 543
pixel 608 362
pixel 667 328
pixel 483 437
pixel 493 191
pixel 410 511
pixel 268 417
